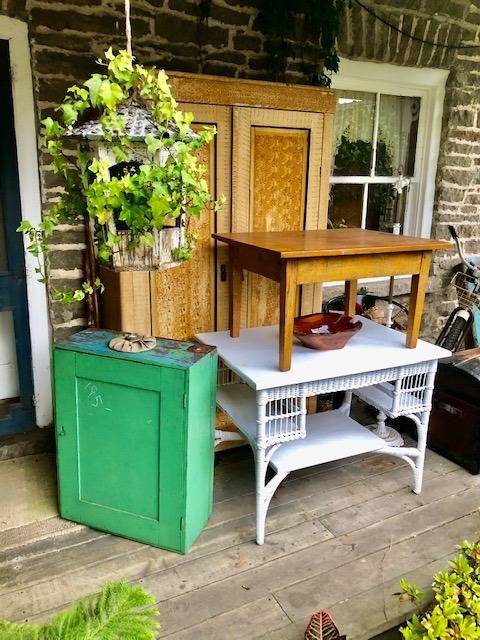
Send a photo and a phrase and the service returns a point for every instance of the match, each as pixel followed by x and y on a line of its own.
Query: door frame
pixel 16 33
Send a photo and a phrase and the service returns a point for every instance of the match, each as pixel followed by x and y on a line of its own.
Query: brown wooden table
pixel 294 258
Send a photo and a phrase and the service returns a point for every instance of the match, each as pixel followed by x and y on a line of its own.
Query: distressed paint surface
pixel 168 352
pixel 135 438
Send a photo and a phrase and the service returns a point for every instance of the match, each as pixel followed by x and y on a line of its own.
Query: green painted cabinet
pixel 135 437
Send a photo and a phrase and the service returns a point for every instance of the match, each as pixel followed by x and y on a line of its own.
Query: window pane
pixel 345 205
pixel 397 135
pixel 380 207
pixel 353 133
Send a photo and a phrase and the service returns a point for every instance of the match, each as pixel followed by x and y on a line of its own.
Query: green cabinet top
pixel 171 353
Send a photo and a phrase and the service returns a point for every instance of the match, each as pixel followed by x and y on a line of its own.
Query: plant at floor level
pixel 456 613
pixel 117 613
pixel 322 627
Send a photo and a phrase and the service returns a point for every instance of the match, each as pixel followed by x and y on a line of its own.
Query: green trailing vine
pixel 142 200
pixel 119 612
pixel 302 29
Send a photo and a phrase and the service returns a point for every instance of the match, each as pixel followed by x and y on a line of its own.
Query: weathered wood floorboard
pixel 339 537
pixel 319 562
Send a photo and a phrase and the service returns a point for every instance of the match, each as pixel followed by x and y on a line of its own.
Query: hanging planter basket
pixel 146 258
pixel 165 242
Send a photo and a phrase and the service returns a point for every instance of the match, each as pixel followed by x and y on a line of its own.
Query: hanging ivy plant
pixel 302 29
pixel 142 200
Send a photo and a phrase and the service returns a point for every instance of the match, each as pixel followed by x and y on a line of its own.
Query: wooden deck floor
pixel 339 538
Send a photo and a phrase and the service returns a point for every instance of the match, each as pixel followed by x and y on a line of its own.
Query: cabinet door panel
pixel 278 175
pixel 183 298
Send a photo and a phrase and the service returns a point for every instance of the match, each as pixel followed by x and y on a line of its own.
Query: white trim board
pixel 16 32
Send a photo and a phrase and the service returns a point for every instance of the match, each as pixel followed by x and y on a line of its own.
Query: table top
pixel 254 355
pixel 330 242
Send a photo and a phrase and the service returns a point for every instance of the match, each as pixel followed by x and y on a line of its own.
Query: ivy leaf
pixel 153 144
pixel 159 205
pixel 111 93
pixel 25 226
pixel 70 113
pixel 93 85
pixel 104 216
pixel 147 239
pixel 188 179
pixel 103 255
pixel 121 154
pixel 79 294
pixel 162 82
pixel 100 168
pixel 52 128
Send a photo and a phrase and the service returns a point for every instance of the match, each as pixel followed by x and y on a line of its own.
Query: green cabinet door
pixel 135 437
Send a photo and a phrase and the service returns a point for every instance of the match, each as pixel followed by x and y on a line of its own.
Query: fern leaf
pixel 12 631
pixel 117 613
pixel 322 627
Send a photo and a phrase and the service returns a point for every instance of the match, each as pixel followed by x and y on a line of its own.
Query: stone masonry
pixel 66 37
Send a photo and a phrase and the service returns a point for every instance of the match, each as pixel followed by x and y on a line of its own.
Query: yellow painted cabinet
pixel 271 159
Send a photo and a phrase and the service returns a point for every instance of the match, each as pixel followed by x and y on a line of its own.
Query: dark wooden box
pixel 454 429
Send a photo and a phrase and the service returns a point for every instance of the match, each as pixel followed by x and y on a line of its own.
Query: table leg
pixel 350 297
pixel 235 293
pixel 288 293
pixel 417 298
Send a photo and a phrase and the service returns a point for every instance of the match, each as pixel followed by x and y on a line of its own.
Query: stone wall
pixel 67 37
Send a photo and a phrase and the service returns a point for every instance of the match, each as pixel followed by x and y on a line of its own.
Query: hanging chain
pixel 128 27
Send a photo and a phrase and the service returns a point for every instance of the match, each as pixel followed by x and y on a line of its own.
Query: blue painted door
pixel 16 387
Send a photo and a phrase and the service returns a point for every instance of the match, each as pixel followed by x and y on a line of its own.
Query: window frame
pixel 429 86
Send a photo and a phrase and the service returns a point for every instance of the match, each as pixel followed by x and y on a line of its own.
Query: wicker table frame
pixel 273 419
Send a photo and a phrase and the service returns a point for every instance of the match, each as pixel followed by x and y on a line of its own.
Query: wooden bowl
pixel 335 330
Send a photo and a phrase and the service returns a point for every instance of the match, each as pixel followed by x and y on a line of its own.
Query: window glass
pixel 397 135
pixel 375 138
pixel 353 133
pixel 380 207
pixel 345 208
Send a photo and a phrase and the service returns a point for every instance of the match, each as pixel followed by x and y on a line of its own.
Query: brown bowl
pixel 339 329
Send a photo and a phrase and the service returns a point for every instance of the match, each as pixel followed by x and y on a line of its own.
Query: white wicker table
pixel 268 406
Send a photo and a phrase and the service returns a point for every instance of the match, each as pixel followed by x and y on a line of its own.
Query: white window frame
pixel 429 86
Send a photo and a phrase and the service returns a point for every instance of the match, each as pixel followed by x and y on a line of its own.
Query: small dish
pixel 325 331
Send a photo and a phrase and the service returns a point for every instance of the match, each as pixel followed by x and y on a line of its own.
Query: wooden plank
pixel 318 561
pixel 362 619
pixel 379 567
pixel 182 299
pixel 206 89
pixel 332 242
pixel 298 504
pixel 224 558
pixel 239 624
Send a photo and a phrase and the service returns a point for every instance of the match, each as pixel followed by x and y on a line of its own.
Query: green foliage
pixel 119 612
pixel 306 29
pixel 157 192
pixel 456 613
